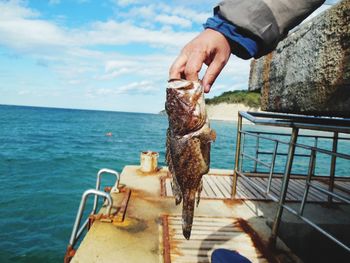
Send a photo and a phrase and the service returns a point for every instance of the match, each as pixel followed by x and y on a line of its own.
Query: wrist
pixel 241 45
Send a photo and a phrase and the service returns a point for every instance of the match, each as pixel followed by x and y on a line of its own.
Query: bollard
pixel 149 161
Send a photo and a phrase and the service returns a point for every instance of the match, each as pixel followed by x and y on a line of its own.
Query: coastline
pixel 227 112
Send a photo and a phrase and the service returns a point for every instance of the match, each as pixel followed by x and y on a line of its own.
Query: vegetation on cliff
pixel 248 98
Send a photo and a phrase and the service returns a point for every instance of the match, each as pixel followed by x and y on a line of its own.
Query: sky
pixel 103 55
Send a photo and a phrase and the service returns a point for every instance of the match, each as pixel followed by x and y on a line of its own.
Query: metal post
pixel 308 179
pixel 315 145
pixel 81 210
pixel 272 167
pixel 98 184
pixel 284 188
pixel 242 152
pixel 238 153
pixel 333 164
pixel 256 152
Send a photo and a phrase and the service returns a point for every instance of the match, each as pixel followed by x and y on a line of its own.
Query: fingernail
pixel 207 88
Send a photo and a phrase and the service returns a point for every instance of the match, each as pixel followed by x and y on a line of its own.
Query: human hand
pixel 209 47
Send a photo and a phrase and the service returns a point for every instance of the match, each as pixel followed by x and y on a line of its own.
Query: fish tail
pixel 189 199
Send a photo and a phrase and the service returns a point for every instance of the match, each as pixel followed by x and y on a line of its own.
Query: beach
pixel 227 112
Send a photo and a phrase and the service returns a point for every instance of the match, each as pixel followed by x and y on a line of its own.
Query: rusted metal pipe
pixel 284 188
pixel 333 165
pixel 238 152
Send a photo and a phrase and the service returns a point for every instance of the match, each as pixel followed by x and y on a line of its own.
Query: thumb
pixel 213 72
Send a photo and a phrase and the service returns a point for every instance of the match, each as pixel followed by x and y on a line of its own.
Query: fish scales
pixel 188 145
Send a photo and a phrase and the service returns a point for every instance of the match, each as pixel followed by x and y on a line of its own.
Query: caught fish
pixel 188 144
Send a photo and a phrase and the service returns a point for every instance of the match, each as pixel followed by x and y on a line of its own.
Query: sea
pixel 49 156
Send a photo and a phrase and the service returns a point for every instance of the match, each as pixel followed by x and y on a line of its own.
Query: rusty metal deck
pixel 208 234
pixel 151 230
pixel 218 186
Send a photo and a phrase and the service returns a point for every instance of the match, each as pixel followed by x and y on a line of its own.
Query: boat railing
pixel 78 227
pixel 114 189
pixel 296 123
pixel 76 232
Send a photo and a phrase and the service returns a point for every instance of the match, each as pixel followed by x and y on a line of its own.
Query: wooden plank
pixel 226 192
pixel 208 188
pixel 223 186
pixel 168 189
pixel 255 192
pixel 249 193
pixel 214 186
pixel 312 196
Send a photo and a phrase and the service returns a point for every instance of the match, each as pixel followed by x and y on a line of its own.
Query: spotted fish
pixel 188 144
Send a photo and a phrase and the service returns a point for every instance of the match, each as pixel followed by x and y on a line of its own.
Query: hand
pixel 209 47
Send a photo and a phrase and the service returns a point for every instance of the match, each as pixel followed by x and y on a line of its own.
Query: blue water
pixel 48 157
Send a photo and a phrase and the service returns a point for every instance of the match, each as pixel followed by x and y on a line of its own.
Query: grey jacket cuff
pixel 266 21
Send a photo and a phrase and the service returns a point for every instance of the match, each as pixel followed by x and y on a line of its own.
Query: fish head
pixel 185 106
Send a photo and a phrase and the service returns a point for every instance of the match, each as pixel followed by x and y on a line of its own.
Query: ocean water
pixel 48 157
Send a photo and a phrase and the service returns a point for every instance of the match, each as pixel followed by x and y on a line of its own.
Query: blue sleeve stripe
pixel 230 32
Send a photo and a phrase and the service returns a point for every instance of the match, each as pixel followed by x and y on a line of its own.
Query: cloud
pixel 173 20
pixel 23 30
pixel 122 33
pixel 138 87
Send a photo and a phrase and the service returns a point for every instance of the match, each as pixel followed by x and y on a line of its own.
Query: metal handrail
pixel 76 232
pixel 289 121
pixel 304 146
pixel 300 135
pixel 98 184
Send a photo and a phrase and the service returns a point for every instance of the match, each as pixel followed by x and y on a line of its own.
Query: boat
pixel 261 213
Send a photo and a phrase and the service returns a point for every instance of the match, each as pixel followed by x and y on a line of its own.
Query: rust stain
pixel 122 211
pixel 162 186
pixel 266 81
pixel 231 202
pixel 258 243
pixel 70 252
pixel 166 242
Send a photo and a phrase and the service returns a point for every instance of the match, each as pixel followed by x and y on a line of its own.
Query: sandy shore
pixel 226 112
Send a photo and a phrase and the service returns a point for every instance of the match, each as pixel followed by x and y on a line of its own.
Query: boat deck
pixel 151 230
pixel 219 186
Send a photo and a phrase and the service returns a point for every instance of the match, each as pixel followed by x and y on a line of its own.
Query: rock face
pixel 309 71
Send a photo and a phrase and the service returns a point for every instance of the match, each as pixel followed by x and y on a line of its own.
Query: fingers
pixel 194 65
pixel 178 67
pixel 213 72
pixel 187 66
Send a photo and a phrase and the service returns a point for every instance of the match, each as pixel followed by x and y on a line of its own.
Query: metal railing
pixel 76 232
pixel 296 123
pixel 79 228
pixel 98 184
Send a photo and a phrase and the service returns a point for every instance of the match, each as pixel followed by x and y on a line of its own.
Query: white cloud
pixel 137 87
pixel 121 33
pixel 21 29
pixel 173 20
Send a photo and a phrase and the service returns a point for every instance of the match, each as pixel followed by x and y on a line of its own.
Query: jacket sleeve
pixel 267 21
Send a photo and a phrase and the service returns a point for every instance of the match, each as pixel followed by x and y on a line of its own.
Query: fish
pixel 189 138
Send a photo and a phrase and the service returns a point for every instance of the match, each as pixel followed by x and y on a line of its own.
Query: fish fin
pixel 176 191
pixel 200 188
pixel 187 212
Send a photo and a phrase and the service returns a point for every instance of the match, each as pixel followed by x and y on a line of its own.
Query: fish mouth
pixel 185 106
